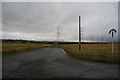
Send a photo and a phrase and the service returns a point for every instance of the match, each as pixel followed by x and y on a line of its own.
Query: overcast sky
pixel 40 20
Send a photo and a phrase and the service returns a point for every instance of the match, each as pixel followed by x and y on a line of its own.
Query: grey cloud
pixel 42 19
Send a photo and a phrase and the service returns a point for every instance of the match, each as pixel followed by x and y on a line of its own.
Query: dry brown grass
pixel 93 52
pixel 13 48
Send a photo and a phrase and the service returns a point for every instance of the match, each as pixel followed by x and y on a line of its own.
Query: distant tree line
pixel 19 41
pixel 46 42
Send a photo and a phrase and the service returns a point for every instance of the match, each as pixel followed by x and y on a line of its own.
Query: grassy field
pixel 93 52
pixel 14 48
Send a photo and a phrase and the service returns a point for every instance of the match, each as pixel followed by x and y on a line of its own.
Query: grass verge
pixel 14 48
pixel 93 52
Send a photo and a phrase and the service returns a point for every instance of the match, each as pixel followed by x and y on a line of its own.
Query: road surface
pixel 53 62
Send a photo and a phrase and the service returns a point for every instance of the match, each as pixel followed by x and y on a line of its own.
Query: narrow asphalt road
pixel 53 62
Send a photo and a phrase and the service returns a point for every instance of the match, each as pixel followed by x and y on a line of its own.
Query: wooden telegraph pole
pixel 79 33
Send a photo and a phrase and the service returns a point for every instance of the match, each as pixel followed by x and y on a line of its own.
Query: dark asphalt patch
pixel 52 62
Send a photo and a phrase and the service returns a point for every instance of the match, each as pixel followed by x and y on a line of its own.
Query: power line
pixel 17 18
pixel 31 21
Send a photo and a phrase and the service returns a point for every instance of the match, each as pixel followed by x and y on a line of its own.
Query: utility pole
pixel 58 33
pixel 82 35
pixel 91 38
pixel 79 33
pixel 102 39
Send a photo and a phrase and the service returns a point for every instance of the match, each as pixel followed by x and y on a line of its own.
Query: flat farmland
pixel 13 48
pixel 93 52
